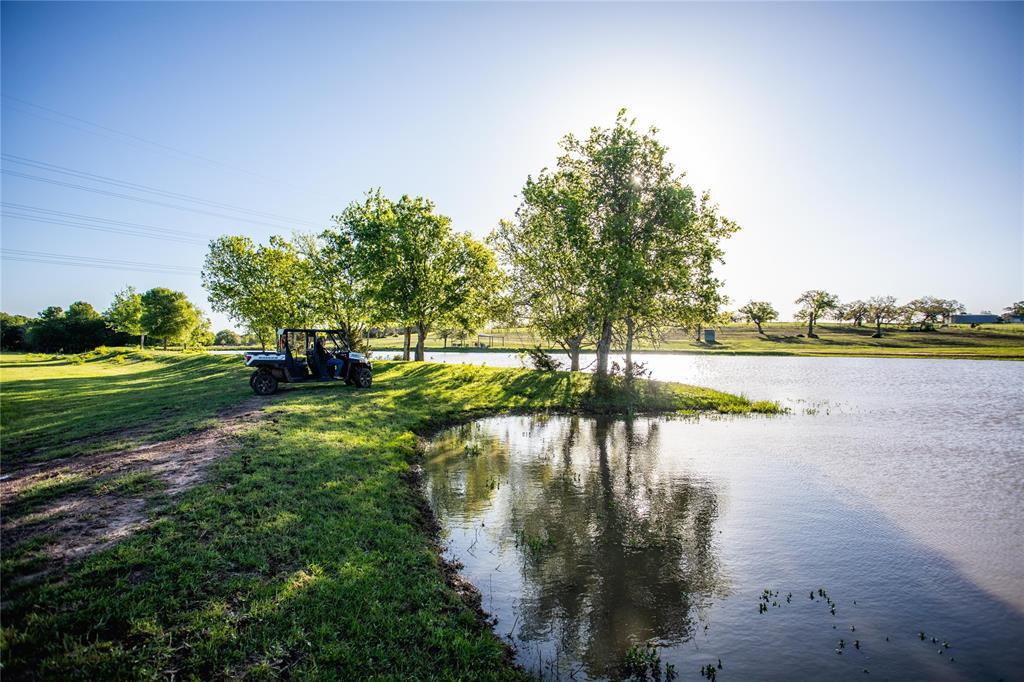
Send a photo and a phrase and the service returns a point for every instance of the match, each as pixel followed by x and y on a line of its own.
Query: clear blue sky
pixel 864 148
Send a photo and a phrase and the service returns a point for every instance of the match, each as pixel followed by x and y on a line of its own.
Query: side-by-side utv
pixel 308 355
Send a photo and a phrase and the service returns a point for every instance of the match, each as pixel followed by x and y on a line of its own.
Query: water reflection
pixel 611 549
pixel 586 536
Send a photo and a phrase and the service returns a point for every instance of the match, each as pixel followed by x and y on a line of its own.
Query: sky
pixel 866 148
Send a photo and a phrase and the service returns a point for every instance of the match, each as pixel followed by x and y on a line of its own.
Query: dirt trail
pixel 83 520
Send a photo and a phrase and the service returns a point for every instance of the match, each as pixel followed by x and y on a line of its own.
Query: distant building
pixel 976 319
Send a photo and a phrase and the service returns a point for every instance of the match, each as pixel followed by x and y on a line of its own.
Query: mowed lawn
pixel 307 553
pixel 1002 341
pixel 109 399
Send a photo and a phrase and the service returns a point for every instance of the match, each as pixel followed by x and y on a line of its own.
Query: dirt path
pixel 85 519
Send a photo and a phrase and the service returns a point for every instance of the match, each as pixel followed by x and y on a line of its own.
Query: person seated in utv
pixel 323 359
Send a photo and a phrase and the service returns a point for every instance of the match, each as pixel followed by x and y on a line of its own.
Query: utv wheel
pixel 364 377
pixel 263 383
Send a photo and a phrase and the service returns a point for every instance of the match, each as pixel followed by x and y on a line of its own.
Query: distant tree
pixel 48 332
pixel 854 311
pixel 1014 310
pixel 927 311
pixel 414 268
pixel 881 310
pixel 13 331
pixel 227 337
pixel 125 314
pixel 816 303
pixel 199 334
pixel 167 315
pixel 759 312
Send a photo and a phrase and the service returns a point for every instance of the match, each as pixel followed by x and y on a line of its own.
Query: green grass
pixel 1000 342
pixel 306 554
pixel 110 393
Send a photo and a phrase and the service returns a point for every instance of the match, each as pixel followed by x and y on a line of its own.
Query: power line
pixel 42 165
pixel 101 263
pixel 37 214
pixel 101 228
pixel 158 145
pixel 95 190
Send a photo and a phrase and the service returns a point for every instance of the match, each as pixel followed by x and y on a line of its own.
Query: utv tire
pixel 364 377
pixel 263 383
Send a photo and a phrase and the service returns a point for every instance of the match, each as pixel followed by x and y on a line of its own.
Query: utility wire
pixel 101 228
pixel 50 214
pixel 95 190
pixel 42 165
pixel 122 136
pixel 86 261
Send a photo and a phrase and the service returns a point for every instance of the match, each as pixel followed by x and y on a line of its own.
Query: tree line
pixel 921 313
pixel 162 314
pixel 609 245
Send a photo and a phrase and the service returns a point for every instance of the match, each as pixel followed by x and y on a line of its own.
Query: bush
pixel 542 360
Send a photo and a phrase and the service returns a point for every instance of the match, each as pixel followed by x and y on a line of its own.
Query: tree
pixel 125 314
pixel 414 268
pixel 48 332
pixel 928 311
pixel 881 310
pixel 261 287
pixel 759 312
pixel 199 333
pixel 544 252
pixel 1014 310
pixel 854 311
pixel 227 337
pixel 815 304
pixel 337 297
pixel 13 331
pixel 636 250
pixel 167 315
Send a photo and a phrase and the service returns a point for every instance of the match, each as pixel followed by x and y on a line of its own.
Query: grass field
pixel 305 553
pixel 1003 341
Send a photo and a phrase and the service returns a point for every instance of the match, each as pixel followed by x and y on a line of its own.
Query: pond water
pixel 895 484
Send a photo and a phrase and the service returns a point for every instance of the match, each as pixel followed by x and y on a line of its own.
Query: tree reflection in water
pixel 613 549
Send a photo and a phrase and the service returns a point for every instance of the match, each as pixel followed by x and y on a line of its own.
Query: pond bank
pixel 304 553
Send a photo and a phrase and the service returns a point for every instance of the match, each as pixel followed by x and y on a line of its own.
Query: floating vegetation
pixel 709 671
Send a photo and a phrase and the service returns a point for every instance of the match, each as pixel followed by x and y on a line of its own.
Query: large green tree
pixel 639 242
pixel 263 287
pixel 167 315
pixel 337 296
pixel 414 268
pixel 125 314
pixel 544 250
pixel 814 304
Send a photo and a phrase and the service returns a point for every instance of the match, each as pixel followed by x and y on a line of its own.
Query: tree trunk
pixel 759 331
pixel 810 324
pixel 630 333
pixel 700 328
pixel 421 338
pixel 878 327
pixel 405 345
pixel 572 347
pixel 446 341
pixel 604 345
pixel 142 342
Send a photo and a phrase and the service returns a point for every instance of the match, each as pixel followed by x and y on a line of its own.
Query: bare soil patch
pixel 86 519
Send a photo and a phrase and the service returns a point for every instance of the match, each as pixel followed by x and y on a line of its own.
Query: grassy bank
pixel 306 553
pixel 998 342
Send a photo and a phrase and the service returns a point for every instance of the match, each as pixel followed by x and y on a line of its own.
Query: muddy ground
pixel 87 519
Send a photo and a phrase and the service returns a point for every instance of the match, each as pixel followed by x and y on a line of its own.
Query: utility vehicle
pixel 298 359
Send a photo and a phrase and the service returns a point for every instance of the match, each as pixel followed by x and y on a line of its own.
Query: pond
pixel 894 487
